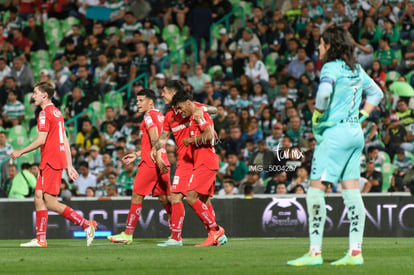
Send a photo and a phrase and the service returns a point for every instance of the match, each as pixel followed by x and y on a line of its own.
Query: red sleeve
pixel 205 121
pixel 198 104
pixel 43 123
pixel 149 120
pixel 166 126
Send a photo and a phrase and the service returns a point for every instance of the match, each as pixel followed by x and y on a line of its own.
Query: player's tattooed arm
pixel 199 112
pixel 206 136
pixel 162 140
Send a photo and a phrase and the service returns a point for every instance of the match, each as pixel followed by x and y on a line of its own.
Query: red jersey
pixel 153 118
pixel 203 151
pixel 53 151
pixel 177 124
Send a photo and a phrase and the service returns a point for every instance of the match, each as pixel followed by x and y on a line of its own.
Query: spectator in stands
pixel 364 52
pixel 297 66
pixel 309 154
pixel 21 42
pixel 256 69
pixel 405 115
pixel 301 179
pixel 406 21
pixel 81 60
pixel 110 137
pixel 88 136
pixel 110 117
pixel 234 143
pixel 248 191
pixel 103 73
pixel 111 190
pixel 60 75
pixel 228 188
pixel 126 179
pixel 280 101
pixel 13 111
pixel 23 74
pixel 267 121
pixel 248 44
pixel 35 34
pixel 220 122
pixel 402 163
pixel 374 183
pixel 232 100
pixel 6 185
pixel 199 20
pixel 95 160
pixel 23 183
pixel 4 71
pixel 235 168
pixel 130 25
pixel 90 192
pixel 123 71
pixel 93 48
pixel 77 38
pixel 77 157
pixel 258 100
pixel 148 29
pixel 158 49
pixel 296 131
pixel 395 134
pixel 254 180
pixel 262 157
pixel 76 103
pixel 273 140
pixel 86 83
pixel 386 55
pixel 378 74
pixel 85 180
pixel 179 12
pixel 142 63
pixel 5 151
pixel 116 18
pixel 253 132
pixel 14 21
pixel 109 167
pixel 198 82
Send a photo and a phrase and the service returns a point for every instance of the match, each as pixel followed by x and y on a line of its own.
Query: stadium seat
pixel 33 133
pixel 408 76
pixel 112 30
pixel 170 31
pixel 18 136
pixel 392 75
pixel 50 24
pixel 214 71
pixel 387 169
pixel 29 107
pixel 398 53
pixel 96 110
pixel 114 100
pixel 68 23
pixel 39 55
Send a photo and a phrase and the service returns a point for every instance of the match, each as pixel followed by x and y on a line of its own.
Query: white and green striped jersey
pixel 279 103
pixel 403 165
pixel 257 101
pixel 13 110
pixel 116 7
pixel 128 30
pixel 5 151
pixel 272 143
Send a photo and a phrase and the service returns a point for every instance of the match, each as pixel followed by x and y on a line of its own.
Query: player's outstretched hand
pixel 73 174
pixel 131 157
pixel 15 154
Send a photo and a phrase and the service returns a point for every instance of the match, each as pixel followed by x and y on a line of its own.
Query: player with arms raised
pixel 55 156
pixel 149 179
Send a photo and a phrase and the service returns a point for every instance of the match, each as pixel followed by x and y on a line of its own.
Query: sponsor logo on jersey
pixel 148 120
pixel 179 128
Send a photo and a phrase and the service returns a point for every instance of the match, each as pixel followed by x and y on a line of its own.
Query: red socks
pixel 74 217
pixel 205 214
pixel 177 219
pixel 133 216
pixel 41 225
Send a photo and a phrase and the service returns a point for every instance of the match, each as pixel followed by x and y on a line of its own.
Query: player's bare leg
pixel 126 236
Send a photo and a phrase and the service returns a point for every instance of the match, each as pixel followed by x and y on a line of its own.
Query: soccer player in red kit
pixel 177 124
pixel 200 145
pixel 55 156
pixel 149 179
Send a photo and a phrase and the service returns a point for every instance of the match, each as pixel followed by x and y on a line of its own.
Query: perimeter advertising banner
pixel 259 217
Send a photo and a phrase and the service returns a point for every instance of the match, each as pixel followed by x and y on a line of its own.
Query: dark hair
pixel 46 87
pixel 25 166
pixel 248 189
pixel 342 46
pixel 181 96
pixel 175 85
pixel 148 93
pixel 84 164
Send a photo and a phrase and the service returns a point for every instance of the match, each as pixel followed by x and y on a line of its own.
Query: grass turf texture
pixel 238 256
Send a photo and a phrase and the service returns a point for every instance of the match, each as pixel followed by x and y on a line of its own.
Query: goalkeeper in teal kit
pixel 340 141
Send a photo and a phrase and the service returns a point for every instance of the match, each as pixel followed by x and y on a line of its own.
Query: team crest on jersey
pixel 160 118
pixel 148 120
pixel 57 113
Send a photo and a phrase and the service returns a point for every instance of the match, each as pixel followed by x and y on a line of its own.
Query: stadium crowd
pixel 262 78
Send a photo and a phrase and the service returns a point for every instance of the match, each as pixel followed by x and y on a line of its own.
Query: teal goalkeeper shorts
pixel 337 157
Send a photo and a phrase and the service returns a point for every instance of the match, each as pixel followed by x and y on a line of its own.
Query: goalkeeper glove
pixel 363 115
pixel 316 116
pixel 318 129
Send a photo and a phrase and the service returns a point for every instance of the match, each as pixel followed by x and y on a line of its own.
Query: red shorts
pixel 203 181
pixel 150 180
pixel 182 177
pixel 49 180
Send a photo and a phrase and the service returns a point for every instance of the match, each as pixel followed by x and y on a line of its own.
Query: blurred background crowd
pixel 256 61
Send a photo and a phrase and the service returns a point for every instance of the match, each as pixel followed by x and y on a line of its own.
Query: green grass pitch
pixel 238 256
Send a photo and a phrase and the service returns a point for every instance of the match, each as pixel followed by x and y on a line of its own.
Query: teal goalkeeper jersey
pixel 348 87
